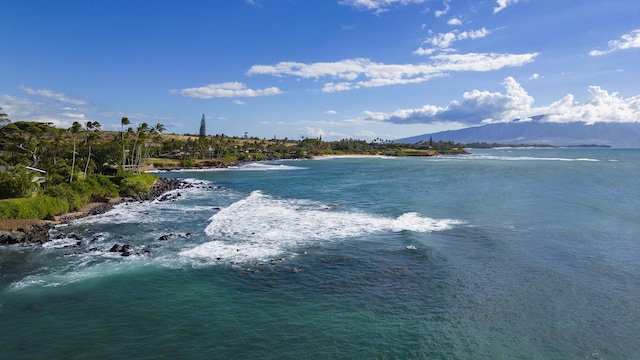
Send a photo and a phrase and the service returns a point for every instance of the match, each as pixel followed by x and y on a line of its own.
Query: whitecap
pixel 260 227
pixel 60 243
pixel 256 166
pixel 518 158
pixel 134 212
pixel 333 157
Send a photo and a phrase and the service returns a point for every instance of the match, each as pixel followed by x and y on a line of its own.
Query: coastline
pixel 85 210
pixel 13 231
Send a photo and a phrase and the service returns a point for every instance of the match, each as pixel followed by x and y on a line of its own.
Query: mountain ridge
pixel 537 132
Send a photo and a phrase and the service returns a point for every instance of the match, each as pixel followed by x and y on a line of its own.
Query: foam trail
pixel 256 166
pixel 520 158
pixel 265 167
pixel 133 212
pixel 259 227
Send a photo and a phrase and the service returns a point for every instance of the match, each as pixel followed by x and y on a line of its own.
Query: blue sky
pixel 338 69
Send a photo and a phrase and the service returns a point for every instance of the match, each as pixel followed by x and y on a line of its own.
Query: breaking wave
pixel 261 227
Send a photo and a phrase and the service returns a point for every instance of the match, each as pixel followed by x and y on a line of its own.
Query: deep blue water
pixel 501 254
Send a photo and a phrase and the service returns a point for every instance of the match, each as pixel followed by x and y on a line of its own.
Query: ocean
pixel 514 253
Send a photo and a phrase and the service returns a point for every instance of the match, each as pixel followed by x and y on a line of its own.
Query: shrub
pixel 15 183
pixel 147 178
pixel 187 163
pixel 133 186
pixel 33 207
pixel 65 197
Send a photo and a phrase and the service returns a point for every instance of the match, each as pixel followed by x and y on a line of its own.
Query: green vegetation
pixel 15 183
pixel 136 185
pixel 60 198
pixel 33 207
pixel 46 170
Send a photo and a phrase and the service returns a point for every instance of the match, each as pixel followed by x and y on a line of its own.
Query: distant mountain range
pixel 537 132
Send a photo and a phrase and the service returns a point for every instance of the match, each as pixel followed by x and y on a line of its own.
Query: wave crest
pixel 260 226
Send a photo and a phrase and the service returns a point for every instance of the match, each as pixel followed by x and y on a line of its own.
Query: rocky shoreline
pixel 36 231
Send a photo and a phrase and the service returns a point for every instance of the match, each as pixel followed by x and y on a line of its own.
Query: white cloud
pixel 482 107
pixel 440 13
pixel 377 6
pixel 239 102
pixel 454 21
pixel 362 73
pixel 476 107
pixel 331 112
pixel 423 51
pixel 502 4
pixel 225 90
pixel 78 117
pixel 253 2
pixel 535 76
pixel 52 95
pixel 628 41
pixel 601 106
pixel 22 109
pixel 443 41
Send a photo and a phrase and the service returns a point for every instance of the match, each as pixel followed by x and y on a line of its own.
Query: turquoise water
pixel 501 254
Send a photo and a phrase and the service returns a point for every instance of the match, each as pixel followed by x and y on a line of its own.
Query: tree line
pixel 35 155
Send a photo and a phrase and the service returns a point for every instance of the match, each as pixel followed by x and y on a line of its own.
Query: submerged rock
pixel 116 248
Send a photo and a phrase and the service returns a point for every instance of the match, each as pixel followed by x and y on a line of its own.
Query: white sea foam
pixel 59 243
pixel 333 157
pixel 184 170
pixel 135 212
pixel 519 158
pixel 260 227
pixel 73 273
pixel 265 167
pixel 253 166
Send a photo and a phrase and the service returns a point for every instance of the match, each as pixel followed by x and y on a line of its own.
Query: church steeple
pixel 203 127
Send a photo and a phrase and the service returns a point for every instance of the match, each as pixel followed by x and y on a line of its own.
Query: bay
pixel 503 253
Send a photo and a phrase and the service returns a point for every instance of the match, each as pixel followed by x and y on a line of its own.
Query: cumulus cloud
pixel 601 106
pixel 47 111
pixel 362 73
pixel 535 76
pixel 377 6
pixel 52 95
pixel 475 107
pixel 502 4
pixel 454 21
pixel 627 41
pixel 331 112
pixel 484 107
pixel 227 90
pixel 443 41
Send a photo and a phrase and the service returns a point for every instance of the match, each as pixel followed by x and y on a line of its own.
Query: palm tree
pixel 156 133
pixel 57 140
pixel 141 137
pixel 4 118
pixel 159 128
pixel 76 128
pixel 124 121
pixel 94 135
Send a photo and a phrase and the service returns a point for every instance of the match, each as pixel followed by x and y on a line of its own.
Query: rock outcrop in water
pixel 34 234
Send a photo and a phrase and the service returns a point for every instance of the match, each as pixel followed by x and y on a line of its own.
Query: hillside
pixel 537 132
